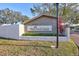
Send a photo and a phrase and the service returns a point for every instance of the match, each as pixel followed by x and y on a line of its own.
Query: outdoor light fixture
pixel 57 40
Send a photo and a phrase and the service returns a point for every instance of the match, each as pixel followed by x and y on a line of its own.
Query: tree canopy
pixel 68 11
pixel 8 16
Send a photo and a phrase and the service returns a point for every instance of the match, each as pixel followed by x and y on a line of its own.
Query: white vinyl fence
pixel 11 31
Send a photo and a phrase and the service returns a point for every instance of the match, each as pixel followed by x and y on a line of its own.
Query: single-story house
pixel 42 24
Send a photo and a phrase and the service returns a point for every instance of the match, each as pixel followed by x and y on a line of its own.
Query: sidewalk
pixel 75 38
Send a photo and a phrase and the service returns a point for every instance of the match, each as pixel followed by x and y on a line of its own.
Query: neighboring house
pixel 74 28
pixel 42 24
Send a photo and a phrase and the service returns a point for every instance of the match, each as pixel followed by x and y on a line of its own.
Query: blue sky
pixel 24 8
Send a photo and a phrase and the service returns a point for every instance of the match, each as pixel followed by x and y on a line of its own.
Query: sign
pixel 39 28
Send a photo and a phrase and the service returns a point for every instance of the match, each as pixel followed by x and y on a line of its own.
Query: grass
pixel 36 48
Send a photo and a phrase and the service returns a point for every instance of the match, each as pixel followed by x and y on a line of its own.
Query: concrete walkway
pixel 75 38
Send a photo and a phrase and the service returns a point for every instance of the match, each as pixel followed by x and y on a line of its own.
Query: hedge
pixel 39 34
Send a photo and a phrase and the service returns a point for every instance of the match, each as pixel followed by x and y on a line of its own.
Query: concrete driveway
pixel 75 38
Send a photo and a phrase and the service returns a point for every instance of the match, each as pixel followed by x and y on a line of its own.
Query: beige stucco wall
pixel 44 21
pixel 21 29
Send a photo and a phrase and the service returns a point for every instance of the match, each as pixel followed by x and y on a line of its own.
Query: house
pixel 74 28
pixel 43 24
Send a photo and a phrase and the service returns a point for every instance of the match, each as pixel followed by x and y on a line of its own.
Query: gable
pixel 42 21
pixel 37 17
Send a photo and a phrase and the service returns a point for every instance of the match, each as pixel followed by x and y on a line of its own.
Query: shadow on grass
pixel 27 45
pixel 21 44
pixel 7 38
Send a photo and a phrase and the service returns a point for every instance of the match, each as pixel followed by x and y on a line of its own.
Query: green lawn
pixel 36 48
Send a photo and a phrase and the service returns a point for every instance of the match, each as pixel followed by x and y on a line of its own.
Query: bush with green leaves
pixel 39 34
